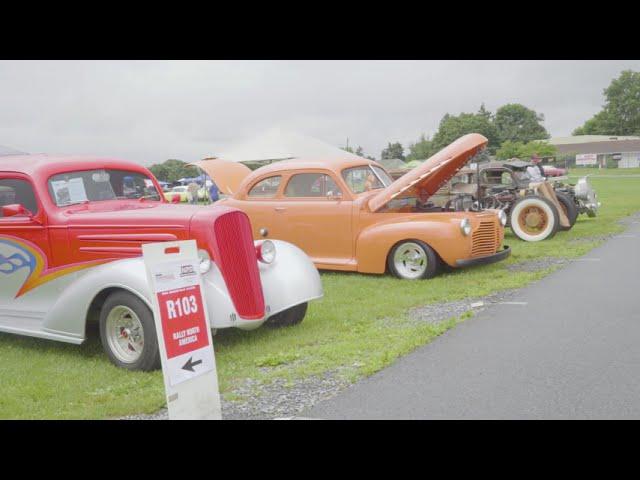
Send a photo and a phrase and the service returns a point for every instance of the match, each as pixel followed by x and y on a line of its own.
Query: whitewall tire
pixel 533 219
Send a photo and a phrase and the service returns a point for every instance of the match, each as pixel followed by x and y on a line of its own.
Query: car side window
pixel 491 177
pixel 16 191
pixel 266 188
pixel 506 178
pixel 312 185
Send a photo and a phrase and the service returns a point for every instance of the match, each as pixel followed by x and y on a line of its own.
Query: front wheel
pixel 413 260
pixel 128 332
pixel 288 317
pixel 533 219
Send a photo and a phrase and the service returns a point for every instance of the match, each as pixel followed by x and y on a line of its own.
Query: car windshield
pixel 99 185
pixel 365 178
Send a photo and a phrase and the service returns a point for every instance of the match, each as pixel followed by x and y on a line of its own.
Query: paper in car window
pixel 148 183
pixel 69 191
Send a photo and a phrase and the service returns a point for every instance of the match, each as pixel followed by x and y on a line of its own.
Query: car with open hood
pixel 537 206
pixel 71 236
pixel 348 214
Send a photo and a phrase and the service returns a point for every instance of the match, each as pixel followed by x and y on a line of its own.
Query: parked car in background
pixel 536 207
pixel 71 236
pixel 348 214
pixel 583 194
pixel 179 194
pixel 551 171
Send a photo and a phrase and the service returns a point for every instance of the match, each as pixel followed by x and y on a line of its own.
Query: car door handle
pixel 280 209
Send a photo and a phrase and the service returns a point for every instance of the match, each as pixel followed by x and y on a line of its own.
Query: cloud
pixel 148 111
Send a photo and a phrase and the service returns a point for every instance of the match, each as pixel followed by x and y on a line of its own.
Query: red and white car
pixel 71 231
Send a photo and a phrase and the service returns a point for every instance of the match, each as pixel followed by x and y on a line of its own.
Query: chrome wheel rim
pixel 410 260
pixel 125 334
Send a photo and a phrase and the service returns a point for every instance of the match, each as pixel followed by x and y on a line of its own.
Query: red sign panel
pixel 183 321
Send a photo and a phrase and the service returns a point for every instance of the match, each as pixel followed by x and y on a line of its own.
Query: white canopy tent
pixel 227 167
pixel 10 151
pixel 278 144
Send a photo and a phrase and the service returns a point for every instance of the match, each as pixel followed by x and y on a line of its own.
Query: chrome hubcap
pixel 410 260
pixel 125 335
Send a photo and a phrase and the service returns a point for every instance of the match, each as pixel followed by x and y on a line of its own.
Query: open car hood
pixel 433 173
pixel 226 175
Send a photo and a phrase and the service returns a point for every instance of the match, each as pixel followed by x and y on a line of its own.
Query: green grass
pixel 359 327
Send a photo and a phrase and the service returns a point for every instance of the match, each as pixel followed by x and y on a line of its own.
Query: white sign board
pixel 587 159
pixel 183 330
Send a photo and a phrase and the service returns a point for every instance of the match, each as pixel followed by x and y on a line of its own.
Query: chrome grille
pixel 484 240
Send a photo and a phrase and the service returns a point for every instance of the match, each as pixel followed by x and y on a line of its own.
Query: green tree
pixel 420 150
pixel 358 151
pixel 453 127
pixel 485 113
pixel 526 150
pixel 621 112
pixel 173 170
pixel 516 123
pixel 393 150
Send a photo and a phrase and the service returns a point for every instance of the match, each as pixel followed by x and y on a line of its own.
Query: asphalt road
pixel 569 350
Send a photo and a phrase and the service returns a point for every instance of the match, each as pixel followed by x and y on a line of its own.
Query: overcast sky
pixel 149 111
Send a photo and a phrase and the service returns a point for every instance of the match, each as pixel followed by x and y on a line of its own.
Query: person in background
pixel 193 188
pixel 537 161
pixel 213 193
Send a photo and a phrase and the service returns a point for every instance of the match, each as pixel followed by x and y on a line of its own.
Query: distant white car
pixel 179 192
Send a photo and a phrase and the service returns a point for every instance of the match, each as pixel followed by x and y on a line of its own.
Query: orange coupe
pixel 348 214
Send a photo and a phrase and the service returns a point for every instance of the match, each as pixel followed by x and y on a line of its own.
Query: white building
pixel 600 150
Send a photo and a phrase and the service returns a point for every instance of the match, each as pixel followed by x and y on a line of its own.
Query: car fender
pixel 68 315
pixel 290 280
pixel 442 234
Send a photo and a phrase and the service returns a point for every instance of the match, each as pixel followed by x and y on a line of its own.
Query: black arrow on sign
pixel 190 364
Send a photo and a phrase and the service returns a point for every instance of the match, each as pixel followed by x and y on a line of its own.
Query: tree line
pixel 517 131
pixel 514 130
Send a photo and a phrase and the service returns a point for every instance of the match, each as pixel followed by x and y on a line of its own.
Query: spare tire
pixel 570 209
pixel 533 219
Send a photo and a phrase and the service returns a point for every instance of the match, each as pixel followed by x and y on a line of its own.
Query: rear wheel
pixel 533 219
pixel 413 260
pixel 288 317
pixel 570 209
pixel 128 332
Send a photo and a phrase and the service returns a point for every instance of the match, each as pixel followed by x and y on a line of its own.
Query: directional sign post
pixel 183 330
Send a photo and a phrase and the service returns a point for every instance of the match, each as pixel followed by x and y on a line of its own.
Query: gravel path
pixel 275 400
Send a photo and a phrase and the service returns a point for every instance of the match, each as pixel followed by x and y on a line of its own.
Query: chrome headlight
pixel 266 251
pixel 502 217
pixel 465 227
pixel 205 261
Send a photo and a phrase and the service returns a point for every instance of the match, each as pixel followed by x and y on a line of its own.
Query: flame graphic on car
pixel 31 257
pixel 13 263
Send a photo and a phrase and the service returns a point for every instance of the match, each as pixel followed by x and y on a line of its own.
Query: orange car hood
pixel 227 175
pixel 434 172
